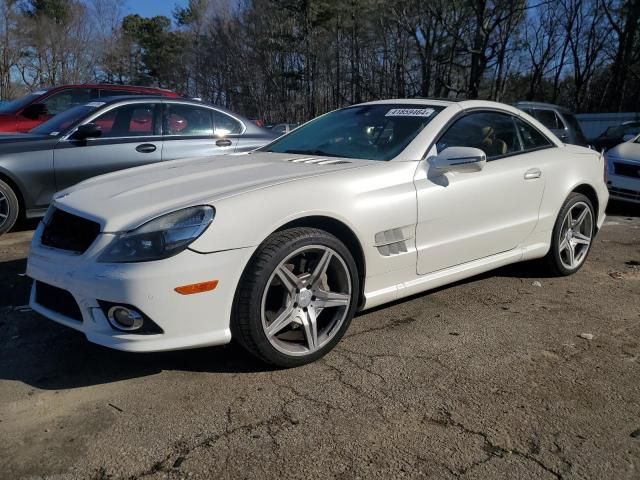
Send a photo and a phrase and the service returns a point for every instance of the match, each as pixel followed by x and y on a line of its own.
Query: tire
pixel 571 238
pixel 296 297
pixel 9 208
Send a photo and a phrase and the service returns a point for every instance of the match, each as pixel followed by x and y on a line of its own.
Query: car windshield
pixel 369 132
pixel 15 105
pixel 63 121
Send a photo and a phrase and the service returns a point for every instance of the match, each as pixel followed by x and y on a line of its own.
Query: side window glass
pixel 186 120
pixel 531 138
pixel 128 121
pixel 225 125
pixel 549 119
pixel 64 100
pixel 494 133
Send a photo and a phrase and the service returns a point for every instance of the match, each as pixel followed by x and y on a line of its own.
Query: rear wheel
pixel 296 298
pixel 572 235
pixel 9 207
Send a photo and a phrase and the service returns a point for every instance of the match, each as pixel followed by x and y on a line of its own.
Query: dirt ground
pixel 488 378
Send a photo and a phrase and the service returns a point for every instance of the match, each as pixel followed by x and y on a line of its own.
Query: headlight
pixel 161 237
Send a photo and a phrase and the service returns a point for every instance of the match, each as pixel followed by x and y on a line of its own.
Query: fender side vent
pixel 394 241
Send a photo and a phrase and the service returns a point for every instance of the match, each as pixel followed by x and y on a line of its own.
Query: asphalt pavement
pixel 510 375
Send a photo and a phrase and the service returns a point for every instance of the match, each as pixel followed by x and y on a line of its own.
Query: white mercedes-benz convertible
pixel 280 247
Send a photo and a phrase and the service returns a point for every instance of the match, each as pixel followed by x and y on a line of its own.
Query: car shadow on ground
pixel 25 224
pixel 623 209
pixel 45 355
pixel 48 356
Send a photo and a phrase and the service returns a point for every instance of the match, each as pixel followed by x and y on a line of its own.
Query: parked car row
pixel 29 111
pixel 112 134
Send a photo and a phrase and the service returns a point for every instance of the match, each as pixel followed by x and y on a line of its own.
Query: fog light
pixel 124 318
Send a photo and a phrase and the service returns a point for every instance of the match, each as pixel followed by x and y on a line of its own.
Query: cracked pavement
pixel 487 378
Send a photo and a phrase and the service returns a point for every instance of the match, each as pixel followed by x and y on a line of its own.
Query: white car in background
pixel 623 164
pixel 280 247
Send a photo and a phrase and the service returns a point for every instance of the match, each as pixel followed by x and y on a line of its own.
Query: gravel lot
pixel 488 378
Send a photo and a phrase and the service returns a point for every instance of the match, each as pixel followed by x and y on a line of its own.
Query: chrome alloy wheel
pixel 4 209
pixel 575 235
pixel 306 300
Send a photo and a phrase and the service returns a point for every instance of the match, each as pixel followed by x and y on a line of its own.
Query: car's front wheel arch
pixel 343 233
pixel 316 272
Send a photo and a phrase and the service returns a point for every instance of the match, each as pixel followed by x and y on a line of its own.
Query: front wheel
pixel 572 235
pixel 9 207
pixel 296 298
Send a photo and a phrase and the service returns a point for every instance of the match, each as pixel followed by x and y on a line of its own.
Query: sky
pixel 150 8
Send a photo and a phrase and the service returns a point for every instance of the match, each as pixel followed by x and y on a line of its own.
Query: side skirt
pixel 422 283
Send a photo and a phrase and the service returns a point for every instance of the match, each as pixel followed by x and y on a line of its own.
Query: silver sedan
pixel 114 134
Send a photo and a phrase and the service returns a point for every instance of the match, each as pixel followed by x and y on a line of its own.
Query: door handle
pixel 146 148
pixel 532 174
pixel 223 142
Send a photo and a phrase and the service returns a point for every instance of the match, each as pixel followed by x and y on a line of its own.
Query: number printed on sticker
pixel 409 112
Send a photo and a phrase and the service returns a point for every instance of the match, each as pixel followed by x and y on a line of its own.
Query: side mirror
pixel 628 137
pixel 34 111
pixel 88 130
pixel 459 159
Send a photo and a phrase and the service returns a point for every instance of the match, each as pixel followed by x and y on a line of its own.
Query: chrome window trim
pixel 208 107
pixel 161 101
pixel 469 111
pixel 100 112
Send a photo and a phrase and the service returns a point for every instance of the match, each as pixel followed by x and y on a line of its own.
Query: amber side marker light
pixel 197 287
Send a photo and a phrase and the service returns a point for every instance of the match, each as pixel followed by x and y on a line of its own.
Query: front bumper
pixel 188 321
pixel 624 188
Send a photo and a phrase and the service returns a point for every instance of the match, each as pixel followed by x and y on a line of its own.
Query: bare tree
pixel 9 46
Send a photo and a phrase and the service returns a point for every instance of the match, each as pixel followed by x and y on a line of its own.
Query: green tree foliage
pixel 159 48
pixel 294 59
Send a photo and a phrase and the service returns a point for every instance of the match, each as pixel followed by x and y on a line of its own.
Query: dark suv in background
pixel 616 134
pixel 559 120
pixel 25 113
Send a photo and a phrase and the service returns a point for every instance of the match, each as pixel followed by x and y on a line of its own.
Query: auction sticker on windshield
pixel 410 112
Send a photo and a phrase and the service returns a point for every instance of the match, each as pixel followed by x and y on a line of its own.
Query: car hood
pixel 628 151
pixel 123 200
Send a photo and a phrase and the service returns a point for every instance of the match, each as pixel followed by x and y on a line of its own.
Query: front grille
pixel 624 193
pixel 627 169
pixel 58 300
pixel 69 232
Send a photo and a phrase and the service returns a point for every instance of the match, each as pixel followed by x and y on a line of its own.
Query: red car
pixel 25 113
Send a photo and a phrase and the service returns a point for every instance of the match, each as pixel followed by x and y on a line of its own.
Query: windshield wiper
pixel 312 152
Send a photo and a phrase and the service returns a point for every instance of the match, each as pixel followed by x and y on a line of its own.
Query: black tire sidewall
pixel 275 250
pixel 555 242
pixel 14 207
